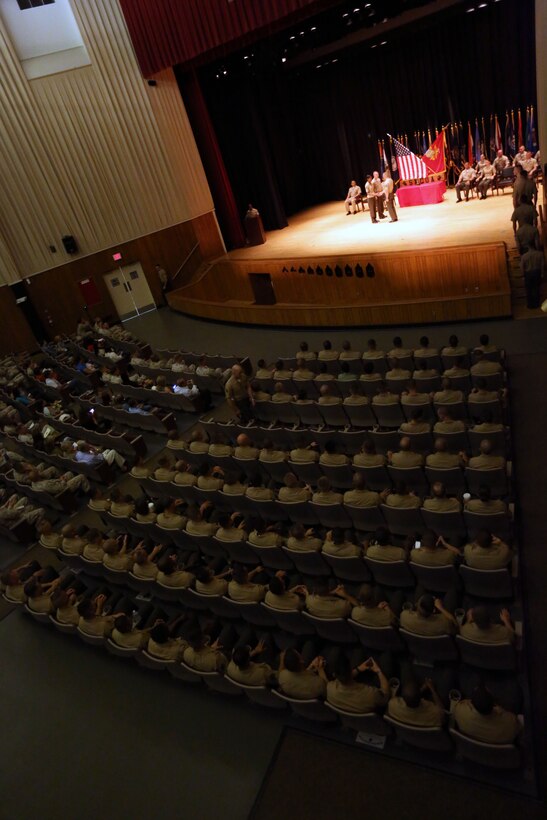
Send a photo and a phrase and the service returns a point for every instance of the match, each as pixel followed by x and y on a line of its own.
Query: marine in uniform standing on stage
pixel 371 198
pixel 379 194
pixel 389 193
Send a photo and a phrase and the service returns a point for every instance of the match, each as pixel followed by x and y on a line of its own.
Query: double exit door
pixel 130 291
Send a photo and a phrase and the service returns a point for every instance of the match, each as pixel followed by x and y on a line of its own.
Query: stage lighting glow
pixel 383 43
pixel 468 11
pixel 313 28
pixel 375 45
pixel 283 59
pixel 292 37
pixel 246 57
pixel 482 5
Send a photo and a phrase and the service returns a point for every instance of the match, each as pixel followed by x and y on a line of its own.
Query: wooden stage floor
pixel 325 229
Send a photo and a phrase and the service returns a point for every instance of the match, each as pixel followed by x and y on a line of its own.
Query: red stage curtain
pixel 219 182
pixel 169 32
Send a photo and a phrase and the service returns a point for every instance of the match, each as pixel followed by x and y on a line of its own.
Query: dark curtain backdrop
pixel 295 139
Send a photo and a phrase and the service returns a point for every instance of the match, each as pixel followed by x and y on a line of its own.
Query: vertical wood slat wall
pixel 93 152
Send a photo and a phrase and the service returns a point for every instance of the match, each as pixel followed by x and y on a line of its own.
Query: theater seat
pixel 431 739
pixel 368 722
pixel 310 709
pixel 493 755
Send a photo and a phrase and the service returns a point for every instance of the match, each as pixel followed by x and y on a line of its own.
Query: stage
pixel 441 262
pixel 325 229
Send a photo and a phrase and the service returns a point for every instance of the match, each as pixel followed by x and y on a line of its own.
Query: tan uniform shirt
pixel 301 455
pixel 438 557
pixel 386 553
pixel 495 557
pixel 327 606
pixel 256 674
pixel 496 633
pixel 424 715
pixel 204 659
pixel 361 498
pixel 407 501
pixel 306 544
pixel 171 650
pixel 436 624
pixel 407 459
pixel 498 727
pixel 294 494
pixel 216 586
pixel 345 550
pixel 354 697
pixel 245 593
pixel 442 505
pixel 443 461
pixel 328 497
pixel 487 462
pixel 289 601
pixel 305 684
pixel 369 460
pixel 371 616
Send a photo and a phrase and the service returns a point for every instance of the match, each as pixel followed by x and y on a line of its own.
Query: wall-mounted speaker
pixel 70 244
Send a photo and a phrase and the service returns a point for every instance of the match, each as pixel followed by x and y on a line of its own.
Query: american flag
pixel 410 166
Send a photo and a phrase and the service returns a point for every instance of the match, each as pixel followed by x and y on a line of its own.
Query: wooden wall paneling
pixel 434 285
pixel 15 332
pixel 56 294
pixel 94 152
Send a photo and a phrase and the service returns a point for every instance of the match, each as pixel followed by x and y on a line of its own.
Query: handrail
pixel 196 246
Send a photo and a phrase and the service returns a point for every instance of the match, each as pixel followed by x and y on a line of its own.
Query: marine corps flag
pixel 434 158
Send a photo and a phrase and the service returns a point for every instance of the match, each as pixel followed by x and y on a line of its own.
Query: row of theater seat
pixel 436 740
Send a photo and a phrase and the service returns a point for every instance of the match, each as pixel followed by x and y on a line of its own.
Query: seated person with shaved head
pixel 198 442
pixel 486 461
pixel 384 396
pixel 484 503
pixel 412 708
pixel 304 453
pixel 405 457
pixel 439 501
pixel 280 395
pixel 368 457
pixel 441 459
pixel 303 540
pixel 326 396
pixel 245 447
pixel 360 495
pixel 412 395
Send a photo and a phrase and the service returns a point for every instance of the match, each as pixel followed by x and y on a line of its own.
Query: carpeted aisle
pixel 324 780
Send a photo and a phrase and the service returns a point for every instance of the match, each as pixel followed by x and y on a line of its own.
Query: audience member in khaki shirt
pixel 447 395
pixel 324 494
pixel 424 620
pixel 303 454
pixel 170 519
pixel 125 636
pixel 487 552
pixel 481 719
pixel 293 490
pixel 270 455
pixel 184 477
pixel 368 457
pixel 241 587
pixel 360 496
pixel 336 545
pixel 218 448
pixel 348 694
pixel 244 670
pixel 486 461
pixel 204 658
pixel 434 551
pixel 305 353
pixel 209 584
pixel 280 396
pixel 198 443
pixel 297 681
pixel 480 627
pixel 369 612
pixel 480 394
pixel 402 498
pixel 484 504
pixel 279 597
pixel 245 448
pixel 439 502
pixel 264 537
pixel 384 396
pixel 323 604
pixel 327 354
pixel 302 540
pixel 412 709
pixel 405 457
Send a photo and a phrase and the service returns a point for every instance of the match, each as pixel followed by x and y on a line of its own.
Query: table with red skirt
pixel 427 194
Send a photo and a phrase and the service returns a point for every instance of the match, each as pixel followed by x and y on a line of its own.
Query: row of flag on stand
pixel 455 144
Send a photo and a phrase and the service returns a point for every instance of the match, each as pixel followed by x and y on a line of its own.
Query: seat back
pixel 430 648
pixel 486 583
pixel 368 722
pixel 413 477
pixel 453 479
pixel 497 439
pixel 432 739
pixel 381 638
pixel 377 478
pixel 487 656
pixel 308 563
pixel 310 709
pixel 334 630
pixel 360 415
pixel 495 479
pixel 478 410
pixel 402 521
pixel 271 557
pixel 291 621
pixel 365 519
pixel 298 512
pixel 331 515
pixel 493 755
pixel 308 472
pixel 434 579
pixel 448 524
pixel 500 523
pixel 340 477
pixel 348 569
pixel 390 573
pixel 388 415
pixel 334 415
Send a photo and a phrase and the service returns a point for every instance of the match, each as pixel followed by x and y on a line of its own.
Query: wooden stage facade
pixel 328 270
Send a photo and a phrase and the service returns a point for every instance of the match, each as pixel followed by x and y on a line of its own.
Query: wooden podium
pixel 254 229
